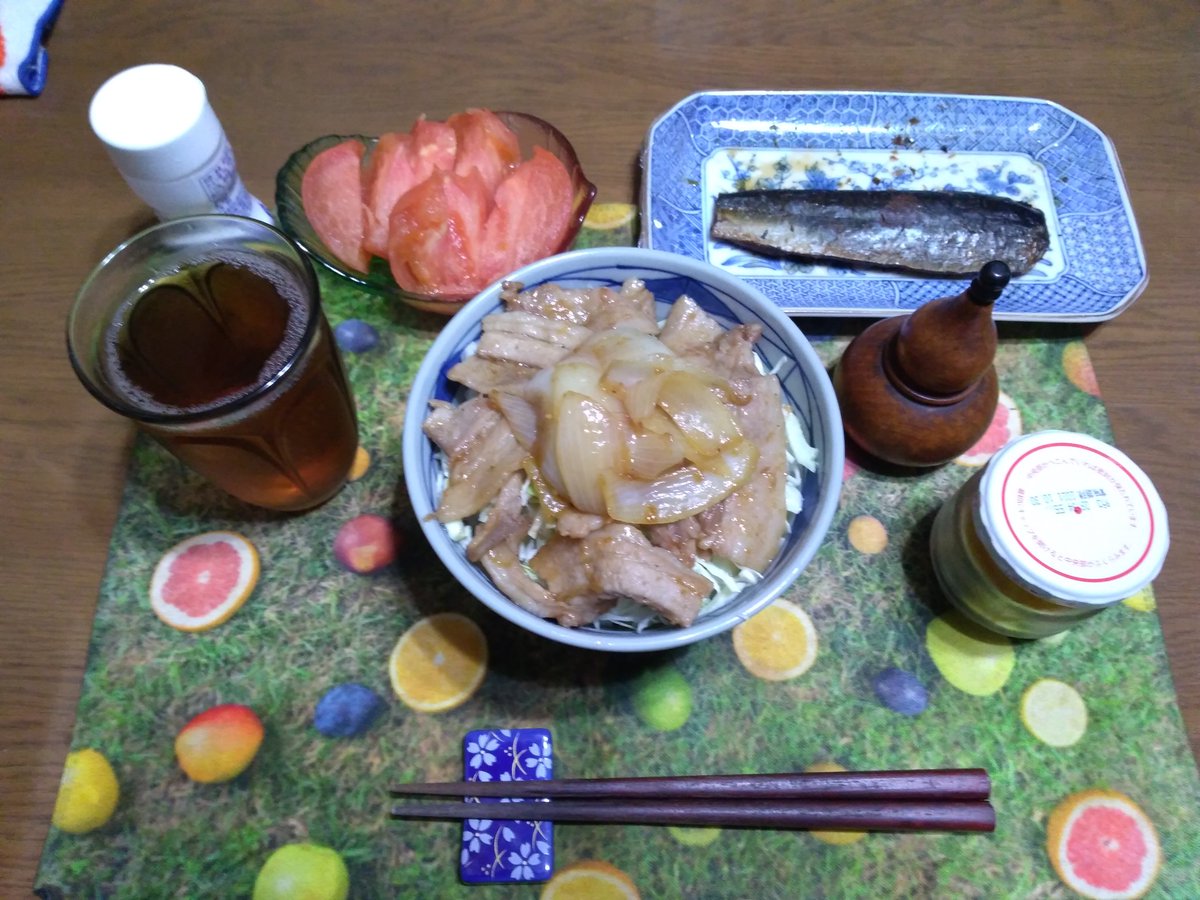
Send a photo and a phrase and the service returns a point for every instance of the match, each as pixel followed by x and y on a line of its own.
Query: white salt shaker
pixel 161 132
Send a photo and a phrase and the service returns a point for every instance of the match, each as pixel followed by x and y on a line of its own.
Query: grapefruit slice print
pixel 199 583
pixel 1103 845
pixel 1006 425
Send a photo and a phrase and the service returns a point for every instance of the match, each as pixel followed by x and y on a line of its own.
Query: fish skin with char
pixel 937 232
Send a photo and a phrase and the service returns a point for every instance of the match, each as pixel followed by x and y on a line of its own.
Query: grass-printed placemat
pixel 893 685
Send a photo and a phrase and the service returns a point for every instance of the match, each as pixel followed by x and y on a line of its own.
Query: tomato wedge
pixel 331 191
pixel 400 162
pixel 484 143
pixel 531 218
pixel 435 143
pixel 436 233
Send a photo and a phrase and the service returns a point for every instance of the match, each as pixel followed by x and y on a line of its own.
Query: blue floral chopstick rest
pixel 500 851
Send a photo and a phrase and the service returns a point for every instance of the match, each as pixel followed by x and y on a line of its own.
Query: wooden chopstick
pixel 847 815
pixel 918 784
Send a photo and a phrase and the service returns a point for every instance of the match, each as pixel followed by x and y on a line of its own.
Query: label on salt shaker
pixel 225 190
pixel 1073 517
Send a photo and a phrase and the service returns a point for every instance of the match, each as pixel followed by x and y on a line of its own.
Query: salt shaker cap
pixel 156 122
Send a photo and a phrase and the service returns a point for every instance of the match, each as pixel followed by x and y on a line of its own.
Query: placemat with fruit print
pixel 1081 733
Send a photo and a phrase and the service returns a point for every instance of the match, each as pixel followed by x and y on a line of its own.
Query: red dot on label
pixel 1078 510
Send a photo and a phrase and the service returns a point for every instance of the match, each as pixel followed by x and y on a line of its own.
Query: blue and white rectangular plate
pixel 1025 149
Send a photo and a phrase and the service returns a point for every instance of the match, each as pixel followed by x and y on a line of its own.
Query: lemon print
pixel 867 535
pixel 836 838
pixel 439 663
pixel 590 879
pixel 362 462
pixel 662 698
pixel 303 872
pixel 972 659
pixel 87 794
pixel 778 643
pixel 609 216
pixel 694 837
pixel 1142 601
pixel 1054 712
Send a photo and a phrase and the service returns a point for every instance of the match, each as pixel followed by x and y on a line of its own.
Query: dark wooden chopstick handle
pixel 974 815
pixel 919 784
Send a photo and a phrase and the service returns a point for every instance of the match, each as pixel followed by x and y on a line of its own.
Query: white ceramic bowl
pixel 805 384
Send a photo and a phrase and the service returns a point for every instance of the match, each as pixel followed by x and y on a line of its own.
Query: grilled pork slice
pixel 529 339
pixel 507 521
pixel 540 328
pixel 455 428
pixel 747 526
pixel 731 355
pixel 575 524
pixel 678 537
pixel 630 307
pixel 485 375
pixel 502 564
pixel 574 305
pixel 619 561
pixel 510 577
pixel 688 327
pixel 481 452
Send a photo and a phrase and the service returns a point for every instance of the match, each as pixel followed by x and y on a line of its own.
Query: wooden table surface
pixel 281 73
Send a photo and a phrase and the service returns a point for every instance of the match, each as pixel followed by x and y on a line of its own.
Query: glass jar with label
pixel 1055 528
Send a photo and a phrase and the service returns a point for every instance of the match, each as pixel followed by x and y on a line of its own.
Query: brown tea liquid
pixel 237 381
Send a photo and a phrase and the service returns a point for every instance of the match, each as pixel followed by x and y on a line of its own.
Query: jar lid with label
pixel 1072 518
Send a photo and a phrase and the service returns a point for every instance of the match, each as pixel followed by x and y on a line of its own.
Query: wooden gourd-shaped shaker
pixel 919 390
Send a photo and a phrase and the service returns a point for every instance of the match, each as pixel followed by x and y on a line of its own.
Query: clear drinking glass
pixel 208 332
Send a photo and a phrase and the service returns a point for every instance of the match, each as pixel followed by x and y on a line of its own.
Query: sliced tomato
pixel 390 173
pixel 436 233
pixel 435 144
pixel 332 194
pixel 485 144
pixel 400 162
pixel 531 216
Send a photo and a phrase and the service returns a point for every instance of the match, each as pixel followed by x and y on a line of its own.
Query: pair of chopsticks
pixel 917 800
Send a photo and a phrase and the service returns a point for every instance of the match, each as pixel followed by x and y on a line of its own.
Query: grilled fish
pixel 939 232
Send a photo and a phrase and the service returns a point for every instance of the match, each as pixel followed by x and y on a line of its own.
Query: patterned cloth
pixel 24 27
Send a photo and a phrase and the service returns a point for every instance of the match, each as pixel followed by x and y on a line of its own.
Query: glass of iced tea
pixel 208 332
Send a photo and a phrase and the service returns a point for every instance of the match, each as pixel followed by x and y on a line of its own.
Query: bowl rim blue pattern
pixel 782 337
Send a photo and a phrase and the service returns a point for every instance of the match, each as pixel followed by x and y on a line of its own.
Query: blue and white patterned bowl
pixel 806 387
